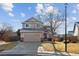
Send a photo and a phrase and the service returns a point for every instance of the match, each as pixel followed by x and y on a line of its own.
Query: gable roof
pixel 76 24
pixel 32 19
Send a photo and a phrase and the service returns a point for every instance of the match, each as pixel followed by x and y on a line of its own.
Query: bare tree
pixel 54 22
pixel 5 32
pixel 53 16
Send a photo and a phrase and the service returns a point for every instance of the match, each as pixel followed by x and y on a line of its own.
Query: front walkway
pixel 23 48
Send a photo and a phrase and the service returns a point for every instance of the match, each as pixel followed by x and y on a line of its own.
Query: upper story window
pixel 27 25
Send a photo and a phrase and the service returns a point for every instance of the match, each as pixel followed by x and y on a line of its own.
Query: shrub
pixel 14 38
pixel 56 38
pixel 71 39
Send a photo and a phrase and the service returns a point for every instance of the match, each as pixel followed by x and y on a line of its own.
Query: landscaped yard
pixel 60 46
pixel 7 46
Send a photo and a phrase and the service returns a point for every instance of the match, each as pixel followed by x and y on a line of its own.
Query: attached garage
pixel 31 36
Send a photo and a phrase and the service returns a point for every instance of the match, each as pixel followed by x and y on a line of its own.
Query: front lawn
pixel 60 46
pixel 7 46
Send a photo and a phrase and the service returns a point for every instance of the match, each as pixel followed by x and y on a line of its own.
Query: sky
pixel 15 13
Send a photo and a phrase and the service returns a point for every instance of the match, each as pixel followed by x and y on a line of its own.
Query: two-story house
pixel 31 30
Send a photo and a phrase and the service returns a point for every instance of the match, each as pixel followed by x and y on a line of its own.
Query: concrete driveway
pixel 22 48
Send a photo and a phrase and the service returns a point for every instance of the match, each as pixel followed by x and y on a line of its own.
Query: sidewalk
pixel 46 53
pixel 41 52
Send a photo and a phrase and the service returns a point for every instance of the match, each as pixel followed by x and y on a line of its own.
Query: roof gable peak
pixel 32 19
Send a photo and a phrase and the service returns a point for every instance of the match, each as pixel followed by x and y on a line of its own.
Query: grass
pixel 60 46
pixel 7 46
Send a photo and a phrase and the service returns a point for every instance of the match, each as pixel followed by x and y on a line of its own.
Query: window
pixel 27 25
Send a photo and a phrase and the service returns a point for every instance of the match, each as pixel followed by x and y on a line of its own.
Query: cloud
pixel 29 8
pixel 22 14
pixel 46 8
pixel 8 7
pixel 77 5
pixel 73 18
pixel 74 11
pixel 39 8
pixel 50 9
pixel 77 8
pixel 11 14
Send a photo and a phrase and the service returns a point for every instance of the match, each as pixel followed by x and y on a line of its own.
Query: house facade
pixel 31 30
pixel 76 29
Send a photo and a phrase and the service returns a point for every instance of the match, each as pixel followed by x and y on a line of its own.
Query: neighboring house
pixel 76 29
pixel 31 30
pixel 70 33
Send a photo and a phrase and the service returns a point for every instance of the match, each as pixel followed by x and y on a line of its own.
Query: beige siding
pixel 76 31
pixel 32 25
pixel 31 36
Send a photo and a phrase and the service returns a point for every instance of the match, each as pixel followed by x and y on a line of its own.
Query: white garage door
pixel 31 36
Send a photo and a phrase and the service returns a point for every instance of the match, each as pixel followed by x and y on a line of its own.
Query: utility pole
pixel 65 27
